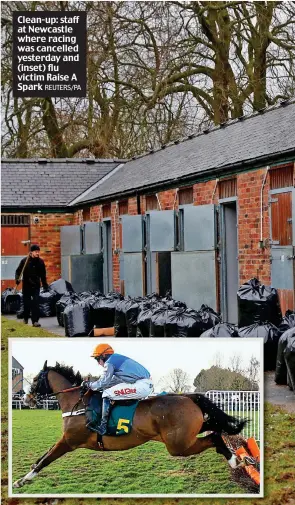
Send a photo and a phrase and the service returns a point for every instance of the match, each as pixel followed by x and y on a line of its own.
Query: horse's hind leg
pixel 201 444
pixel 213 440
pixel 54 453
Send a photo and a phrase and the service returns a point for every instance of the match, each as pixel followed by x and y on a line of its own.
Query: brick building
pixel 17 376
pixel 217 209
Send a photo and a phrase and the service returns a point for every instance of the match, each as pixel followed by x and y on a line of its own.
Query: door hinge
pixel 289 220
pixel 273 200
pixel 274 242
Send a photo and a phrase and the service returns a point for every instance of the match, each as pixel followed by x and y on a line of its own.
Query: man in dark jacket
pixel 33 273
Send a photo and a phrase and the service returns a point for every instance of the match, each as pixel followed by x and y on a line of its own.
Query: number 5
pixel 121 425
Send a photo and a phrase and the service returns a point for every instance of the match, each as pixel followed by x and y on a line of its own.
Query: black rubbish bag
pixel 258 304
pixel 221 330
pixel 144 320
pixel 61 287
pixel 158 321
pixel 132 312
pixel 120 323
pixel 47 301
pixel 182 323
pixel 289 354
pixel 10 301
pixel 281 367
pixel 103 311
pixel 171 303
pixel 270 334
pixel 209 317
pixel 90 296
pixel 61 304
pixel 288 321
pixel 77 319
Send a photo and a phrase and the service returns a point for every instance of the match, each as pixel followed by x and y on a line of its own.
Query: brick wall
pixel 47 235
pixel 253 260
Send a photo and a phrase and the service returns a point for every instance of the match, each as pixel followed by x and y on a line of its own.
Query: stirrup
pixel 91 427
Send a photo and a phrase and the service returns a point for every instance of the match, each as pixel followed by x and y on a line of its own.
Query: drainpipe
pixel 261 245
pixel 215 187
pixel 175 199
pixel 116 250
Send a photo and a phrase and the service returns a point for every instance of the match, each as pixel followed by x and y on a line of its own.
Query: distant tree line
pixel 219 377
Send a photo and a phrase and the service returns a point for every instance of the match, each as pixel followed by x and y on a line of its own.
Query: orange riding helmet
pixel 102 349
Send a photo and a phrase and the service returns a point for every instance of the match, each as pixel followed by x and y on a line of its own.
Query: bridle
pixel 43 384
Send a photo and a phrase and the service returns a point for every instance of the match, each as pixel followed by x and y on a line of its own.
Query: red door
pixel 15 242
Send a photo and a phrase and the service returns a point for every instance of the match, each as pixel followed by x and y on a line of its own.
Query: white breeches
pixel 126 391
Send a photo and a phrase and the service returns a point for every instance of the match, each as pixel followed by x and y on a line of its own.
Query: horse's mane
pixel 67 372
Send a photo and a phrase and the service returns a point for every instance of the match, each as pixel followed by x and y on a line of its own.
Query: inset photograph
pixel 153 420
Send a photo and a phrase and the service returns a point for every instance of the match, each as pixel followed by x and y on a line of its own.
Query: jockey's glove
pixel 85 386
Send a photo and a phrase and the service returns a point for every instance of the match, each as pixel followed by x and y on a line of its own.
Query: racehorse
pixel 173 419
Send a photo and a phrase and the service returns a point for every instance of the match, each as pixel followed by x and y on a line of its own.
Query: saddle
pixel 121 413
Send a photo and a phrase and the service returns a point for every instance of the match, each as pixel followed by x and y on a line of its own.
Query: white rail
pixel 44 404
pixel 243 404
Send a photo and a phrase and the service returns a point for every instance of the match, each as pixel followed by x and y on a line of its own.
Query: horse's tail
pixel 218 420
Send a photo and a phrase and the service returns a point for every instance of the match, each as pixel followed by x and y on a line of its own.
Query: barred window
pixel 281 177
pixel 151 202
pixel 15 220
pixel 227 188
pixel 185 196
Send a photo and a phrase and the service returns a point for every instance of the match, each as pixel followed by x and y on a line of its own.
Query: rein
pixel 67 390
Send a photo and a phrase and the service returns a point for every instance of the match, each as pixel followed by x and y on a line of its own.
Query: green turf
pixel 145 469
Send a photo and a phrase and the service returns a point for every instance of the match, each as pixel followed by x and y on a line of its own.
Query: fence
pixel 243 404
pixel 44 404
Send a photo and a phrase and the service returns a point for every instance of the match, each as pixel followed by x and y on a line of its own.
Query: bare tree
pixel 253 370
pixel 177 381
pixel 235 363
pixel 156 71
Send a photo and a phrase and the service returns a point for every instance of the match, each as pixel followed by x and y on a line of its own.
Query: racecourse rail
pixel 244 404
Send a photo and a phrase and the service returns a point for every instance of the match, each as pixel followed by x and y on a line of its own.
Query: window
pixel 123 207
pixel 151 202
pixel 185 196
pixel 15 220
pixel 227 188
pixel 281 177
pixel 86 214
pixel 106 210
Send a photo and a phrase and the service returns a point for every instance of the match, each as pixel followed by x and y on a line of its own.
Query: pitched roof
pixel 52 182
pixel 241 141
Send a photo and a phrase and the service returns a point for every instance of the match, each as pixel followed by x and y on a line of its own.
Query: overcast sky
pixel 159 356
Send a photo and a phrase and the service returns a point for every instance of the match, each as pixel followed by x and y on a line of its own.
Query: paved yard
pixel 278 395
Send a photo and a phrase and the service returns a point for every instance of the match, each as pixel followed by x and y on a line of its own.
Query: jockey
pixel 122 379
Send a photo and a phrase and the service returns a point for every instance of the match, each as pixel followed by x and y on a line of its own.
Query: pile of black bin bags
pixel 259 316
pixel 12 301
pixel 143 317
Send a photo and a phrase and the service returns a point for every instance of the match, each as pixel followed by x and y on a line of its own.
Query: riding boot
pixel 106 405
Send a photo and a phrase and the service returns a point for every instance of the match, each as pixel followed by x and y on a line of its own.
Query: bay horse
pixel 173 419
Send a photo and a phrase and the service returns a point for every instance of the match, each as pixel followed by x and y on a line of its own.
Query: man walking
pixel 33 272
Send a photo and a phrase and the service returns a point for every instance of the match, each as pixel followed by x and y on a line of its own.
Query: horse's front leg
pixel 33 466
pixel 54 453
